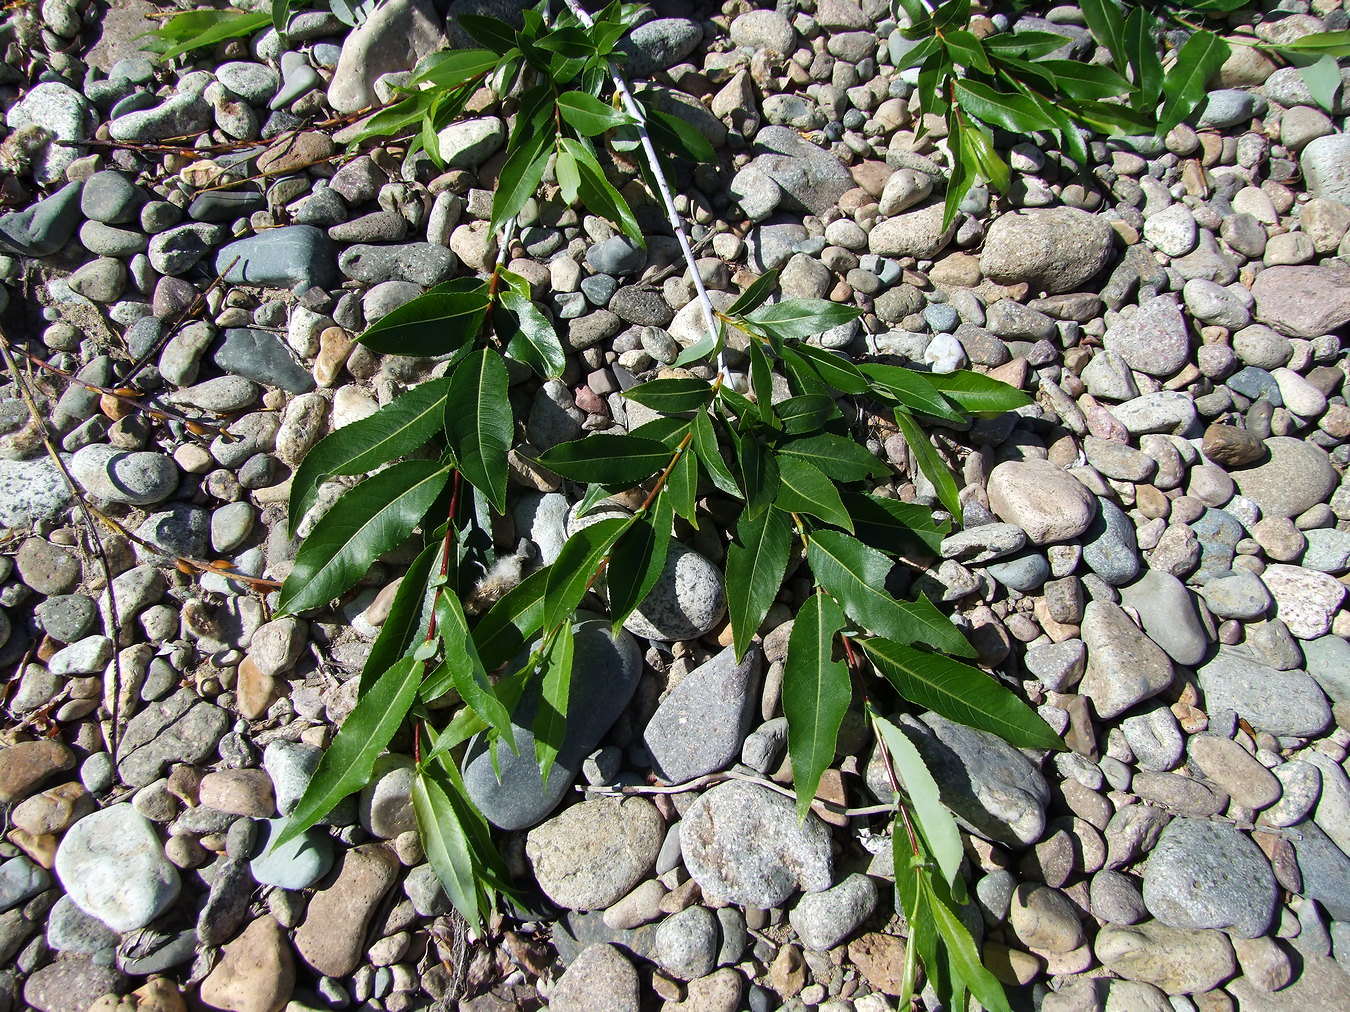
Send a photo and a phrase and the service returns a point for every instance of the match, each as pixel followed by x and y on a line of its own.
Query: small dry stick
pixel 716 778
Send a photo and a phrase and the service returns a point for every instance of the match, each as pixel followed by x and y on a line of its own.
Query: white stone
pixel 113 867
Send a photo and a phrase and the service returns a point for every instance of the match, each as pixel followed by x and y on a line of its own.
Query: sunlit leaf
pixel 816 694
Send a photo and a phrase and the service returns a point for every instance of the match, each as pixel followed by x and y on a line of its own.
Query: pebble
pixel 256 972
pixel 599 977
pixel 1052 249
pixel 1305 600
pixel 1123 667
pixel 824 920
pixel 1205 874
pixel 112 866
pixel 595 852
pixel 687 601
pixel 1280 702
pixel 700 725
pixel 685 944
pixel 1046 502
pixel 281 258
pixel 331 939
pixel 744 844
pixel 1178 960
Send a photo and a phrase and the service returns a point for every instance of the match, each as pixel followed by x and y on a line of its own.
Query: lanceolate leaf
pixel 407 616
pixel 816 694
pixel 1142 51
pixel 637 560
pixel 891 526
pixel 960 693
pixel 1005 109
pixel 466 668
pixel 1323 78
pixel 373 518
pixel 934 821
pixel 682 487
pixel 607 459
pixel 934 468
pixel 756 564
pixel 806 412
pixel 802 317
pixel 1106 22
pixel 976 393
pixel 194 29
pixel 679 137
pixel 479 423
pixel 437 323
pixel 399 428
pixel 966 965
pixel 856 576
pixel 1184 86
pixel 805 489
pixel 710 454
pixel 759 475
pixel 842 459
pixel 916 900
pixel 347 763
pixel 926 624
pixel 599 194
pixel 832 369
pixel 520 178
pixel 572 574
pixel 529 336
pixel 588 115
pixel 671 396
pixel 454 67
pixel 1333 44
pixel 446 845
pixel 550 720
pixel 756 295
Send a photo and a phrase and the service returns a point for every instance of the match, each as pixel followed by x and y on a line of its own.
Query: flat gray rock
pixel 700 726
pixel 1124 667
pixel 113 867
pixel 280 258
pixel 1204 874
pixel 1281 702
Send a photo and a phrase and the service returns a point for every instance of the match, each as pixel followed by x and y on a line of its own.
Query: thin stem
pixel 716 778
pixel 659 177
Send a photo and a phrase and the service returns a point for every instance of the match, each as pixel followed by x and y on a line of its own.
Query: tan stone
pixel 54 810
pixel 24 766
pixel 256 972
pixel 881 960
pixel 239 792
pixel 332 937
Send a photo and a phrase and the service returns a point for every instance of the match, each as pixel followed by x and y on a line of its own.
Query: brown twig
pixel 709 779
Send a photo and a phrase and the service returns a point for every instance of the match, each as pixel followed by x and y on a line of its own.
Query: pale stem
pixel 667 198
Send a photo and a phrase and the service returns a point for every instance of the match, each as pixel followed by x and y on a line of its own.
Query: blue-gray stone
pixel 110 197
pixel 70 929
pixel 942 317
pixel 1281 702
pixel 280 258
pixel 1023 572
pixel 225 205
pixel 68 617
pixel 599 288
pixel 261 357
pixel 1328 661
pixel 21 879
pixel 1254 382
pixel 1169 616
pixel 1328 551
pixel 659 45
pixel 1218 533
pixel 1110 548
pixel 700 726
pixel 42 229
pixel 296 864
pixel 1204 874
pixel 1226 107
pixel 617 256
pixel 1325 868
pixel 423 263
pixel 605 675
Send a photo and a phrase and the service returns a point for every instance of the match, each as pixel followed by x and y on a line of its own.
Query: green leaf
pixel 1141 48
pixel 670 133
pixel 960 693
pixel 598 194
pixel 494 33
pixel 979 148
pixel 395 119
pixel 700 349
pixel 451 68
pixel 399 428
pixel 934 468
pixel 529 336
pixel 934 821
pixel 756 295
pixel 816 694
pixel 925 623
pixel 977 394
pixel 436 323
pixel 842 459
pixel 607 459
pixel 588 115
pixel 1184 87
pixel 1085 80
pixel 805 489
pixel 891 526
pixel 759 475
pixel 833 370
pixel 446 846
pixel 479 423
pixel 797 318
pixel 520 178
pixel 1107 24
pixel 806 412
pixel 962 178
pixel 965 50
pixel 576 567
pixel 569 176
pixel 550 720
pixel 912 389
pixel 1333 44
pixel 1012 112
pixel 195 29
pixel 761 383
pixel 466 668
pixel 1031 44
pixel 710 455
pixel 756 564
pixel 281 15
pixel 671 396
pixel 371 519
pixel 966 965
pixel 916 900
pixel 347 763
pixel 638 560
pixel 682 487
pixel 405 619
pixel 1323 78
pixel 512 621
